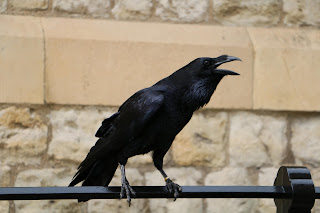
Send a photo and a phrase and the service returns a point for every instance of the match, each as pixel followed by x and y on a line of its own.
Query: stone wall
pixel 43 145
pixel 62 63
pixel 292 13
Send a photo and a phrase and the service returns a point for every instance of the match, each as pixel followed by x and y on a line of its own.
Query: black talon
pixel 173 188
pixel 125 187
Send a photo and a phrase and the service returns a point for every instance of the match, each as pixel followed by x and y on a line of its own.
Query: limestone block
pixel 132 9
pixel 73 132
pixel 4 176
pixel 88 60
pixel 201 142
pixel 186 176
pixel 267 176
pixel 247 13
pixel 46 177
pixel 316 207
pixel 4 206
pixel 305 140
pixel 137 205
pixel 22 60
pixel 230 176
pixel 29 4
pixel 92 7
pixel 257 140
pixel 300 13
pixel 115 205
pixel 98 8
pixel 23 136
pixel 182 11
pixel 285 63
pixel 3 5
pixel 227 175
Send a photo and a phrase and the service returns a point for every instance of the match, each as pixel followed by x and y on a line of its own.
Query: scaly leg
pixel 171 186
pixel 126 189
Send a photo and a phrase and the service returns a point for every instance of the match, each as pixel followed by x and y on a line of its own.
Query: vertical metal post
pixel 298 182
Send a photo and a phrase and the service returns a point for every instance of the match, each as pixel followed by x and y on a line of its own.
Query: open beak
pixel 224 59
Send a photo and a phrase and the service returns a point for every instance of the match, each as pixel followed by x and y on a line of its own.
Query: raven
pixel 149 121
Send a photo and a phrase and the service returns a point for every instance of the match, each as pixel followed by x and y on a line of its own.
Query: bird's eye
pixel 206 63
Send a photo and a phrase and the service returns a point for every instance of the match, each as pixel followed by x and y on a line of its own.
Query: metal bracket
pixel 298 182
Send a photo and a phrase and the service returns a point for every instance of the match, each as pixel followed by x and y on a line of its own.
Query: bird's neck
pixel 198 94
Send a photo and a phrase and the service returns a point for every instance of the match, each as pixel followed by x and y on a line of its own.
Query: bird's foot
pixel 126 189
pixel 173 188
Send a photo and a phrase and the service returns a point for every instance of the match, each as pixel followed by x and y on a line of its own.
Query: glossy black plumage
pixel 150 119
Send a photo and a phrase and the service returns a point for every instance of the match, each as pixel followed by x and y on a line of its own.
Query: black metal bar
pixel 46 193
pixel 293 191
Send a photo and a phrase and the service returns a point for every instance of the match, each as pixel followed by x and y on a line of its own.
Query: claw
pixel 126 189
pixel 173 188
pixel 125 186
pixel 122 192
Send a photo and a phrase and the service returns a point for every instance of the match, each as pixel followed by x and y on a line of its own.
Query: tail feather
pixel 98 173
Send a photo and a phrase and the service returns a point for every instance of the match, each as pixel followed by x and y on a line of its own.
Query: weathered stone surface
pixel 85 63
pixel 305 140
pixel 92 7
pixel 266 178
pixel 29 4
pixel 4 176
pixel 132 9
pixel 137 205
pixel 278 52
pixel 3 5
pixel 301 12
pixel 23 136
pixel 257 140
pixel 98 8
pixel 182 11
pixel 21 72
pixel 227 175
pixel 115 205
pixel 13 117
pixel 4 206
pixel 182 176
pixel 73 132
pixel 202 141
pixel 316 207
pixel 230 176
pixel 247 12
pixel 46 177
pixel 69 6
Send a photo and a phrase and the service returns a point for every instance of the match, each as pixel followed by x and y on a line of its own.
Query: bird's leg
pixel 126 189
pixel 171 186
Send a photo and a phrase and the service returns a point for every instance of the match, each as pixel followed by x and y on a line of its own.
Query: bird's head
pixel 200 78
pixel 205 66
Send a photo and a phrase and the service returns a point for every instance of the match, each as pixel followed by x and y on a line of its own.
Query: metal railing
pixel 293 191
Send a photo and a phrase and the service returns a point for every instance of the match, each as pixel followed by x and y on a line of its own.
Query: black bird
pixel 149 121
